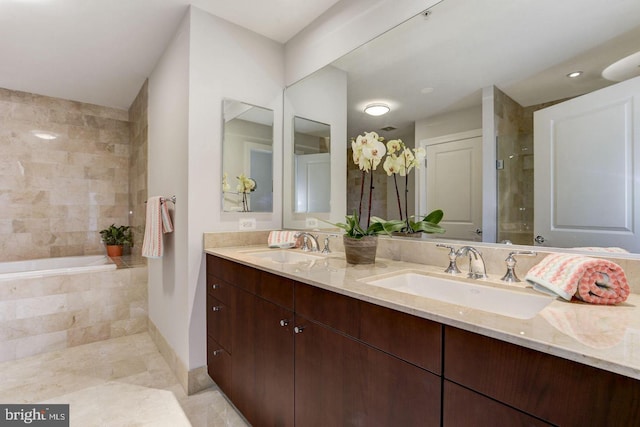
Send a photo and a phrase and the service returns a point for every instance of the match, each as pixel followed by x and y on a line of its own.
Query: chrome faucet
pixel 477 268
pixel 315 246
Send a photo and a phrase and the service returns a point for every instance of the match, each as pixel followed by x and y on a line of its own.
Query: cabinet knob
pixel 216 308
pixel 217 352
pixel 298 329
pixel 215 286
pixel 284 322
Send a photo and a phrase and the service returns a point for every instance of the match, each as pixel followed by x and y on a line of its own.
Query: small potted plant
pixel 360 244
pixel 115 237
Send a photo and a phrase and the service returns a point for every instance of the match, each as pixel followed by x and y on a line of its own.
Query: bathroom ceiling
pixel 432 65
pixel 101 51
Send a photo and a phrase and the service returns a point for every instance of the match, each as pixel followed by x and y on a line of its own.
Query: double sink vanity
pixel 298 338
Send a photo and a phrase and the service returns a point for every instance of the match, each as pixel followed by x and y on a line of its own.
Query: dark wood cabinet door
pixel 219 366
pixel 263 361
pixel 465 408
pixel 556 390
pixel 340 381
pixel 410 338
pixel 274 365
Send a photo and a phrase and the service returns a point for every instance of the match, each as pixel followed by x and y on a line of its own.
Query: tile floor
pixel 114 383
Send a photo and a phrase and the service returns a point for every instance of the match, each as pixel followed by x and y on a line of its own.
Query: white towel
pixel 158 222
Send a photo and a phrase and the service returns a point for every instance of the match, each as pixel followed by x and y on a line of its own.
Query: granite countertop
pixel 606 337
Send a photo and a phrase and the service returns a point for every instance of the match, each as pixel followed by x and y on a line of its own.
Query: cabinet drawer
pixel 219 322
pixel 219 289
pixel 277 289
pixel 329 308
pixel 233 273
pixel 465 408
pixel 556 390
pixel 416 340
pixel 219 366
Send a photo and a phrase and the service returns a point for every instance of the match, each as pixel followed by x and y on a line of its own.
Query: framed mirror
pixel 468 67
pixel 247 158
pixel 312 164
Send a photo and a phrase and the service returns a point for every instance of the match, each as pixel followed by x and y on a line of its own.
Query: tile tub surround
pixel 43 314
pixel 56 194
pixel 118 382
pixel 606 337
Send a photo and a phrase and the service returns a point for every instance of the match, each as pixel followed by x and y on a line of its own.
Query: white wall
pixel 168 115
pixel 448 123
pixel 344 27
pixel 209 59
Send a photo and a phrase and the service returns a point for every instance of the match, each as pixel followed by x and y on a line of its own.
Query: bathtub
pixel 56 303
pixel 55 266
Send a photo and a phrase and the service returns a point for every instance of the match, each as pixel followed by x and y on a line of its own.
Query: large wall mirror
pixel 247 158
pixel 312 163
pixel 483 71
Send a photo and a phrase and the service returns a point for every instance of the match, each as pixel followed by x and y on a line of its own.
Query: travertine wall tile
pixel 57 194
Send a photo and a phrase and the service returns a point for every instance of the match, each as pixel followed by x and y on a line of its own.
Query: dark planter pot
pixel 360 251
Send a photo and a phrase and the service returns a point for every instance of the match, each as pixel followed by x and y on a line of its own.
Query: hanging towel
pixel 158 222
pixel 282 239
pixel 592 280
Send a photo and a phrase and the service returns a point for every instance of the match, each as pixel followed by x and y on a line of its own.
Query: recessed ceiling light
pixel 376 109
pixel 574 74
pixel 48 136
pixel 426 90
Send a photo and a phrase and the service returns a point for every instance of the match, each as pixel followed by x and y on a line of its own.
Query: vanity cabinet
pixel 556 390
pixel 287 353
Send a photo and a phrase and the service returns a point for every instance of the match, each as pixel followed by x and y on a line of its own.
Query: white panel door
pixel 313 188
pixel 454 184
pixel 586 163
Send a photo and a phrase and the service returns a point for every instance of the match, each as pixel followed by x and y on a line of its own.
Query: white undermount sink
pixel 517 303
pixel 285 256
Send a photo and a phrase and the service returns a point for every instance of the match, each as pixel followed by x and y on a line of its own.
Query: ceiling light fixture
pixel 376 109
pixel 48 136
pixel 574 74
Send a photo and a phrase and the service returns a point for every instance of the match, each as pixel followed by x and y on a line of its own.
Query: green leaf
pixel 434 217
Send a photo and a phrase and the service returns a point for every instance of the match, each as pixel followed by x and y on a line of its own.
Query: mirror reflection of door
pixel 247 150
pixel 261 170
pixel 453 183
pixel 586 169
pixel 312 162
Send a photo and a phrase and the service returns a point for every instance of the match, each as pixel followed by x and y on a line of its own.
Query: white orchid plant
pixel 245 185
pixel 368 152
pixel 400 161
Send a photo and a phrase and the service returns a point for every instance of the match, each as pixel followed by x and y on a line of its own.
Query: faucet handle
pixel 453 266
pixel 510 275
pixel 327 249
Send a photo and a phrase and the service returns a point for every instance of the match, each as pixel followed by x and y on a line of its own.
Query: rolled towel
pixel 282 239
pixel 592 280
